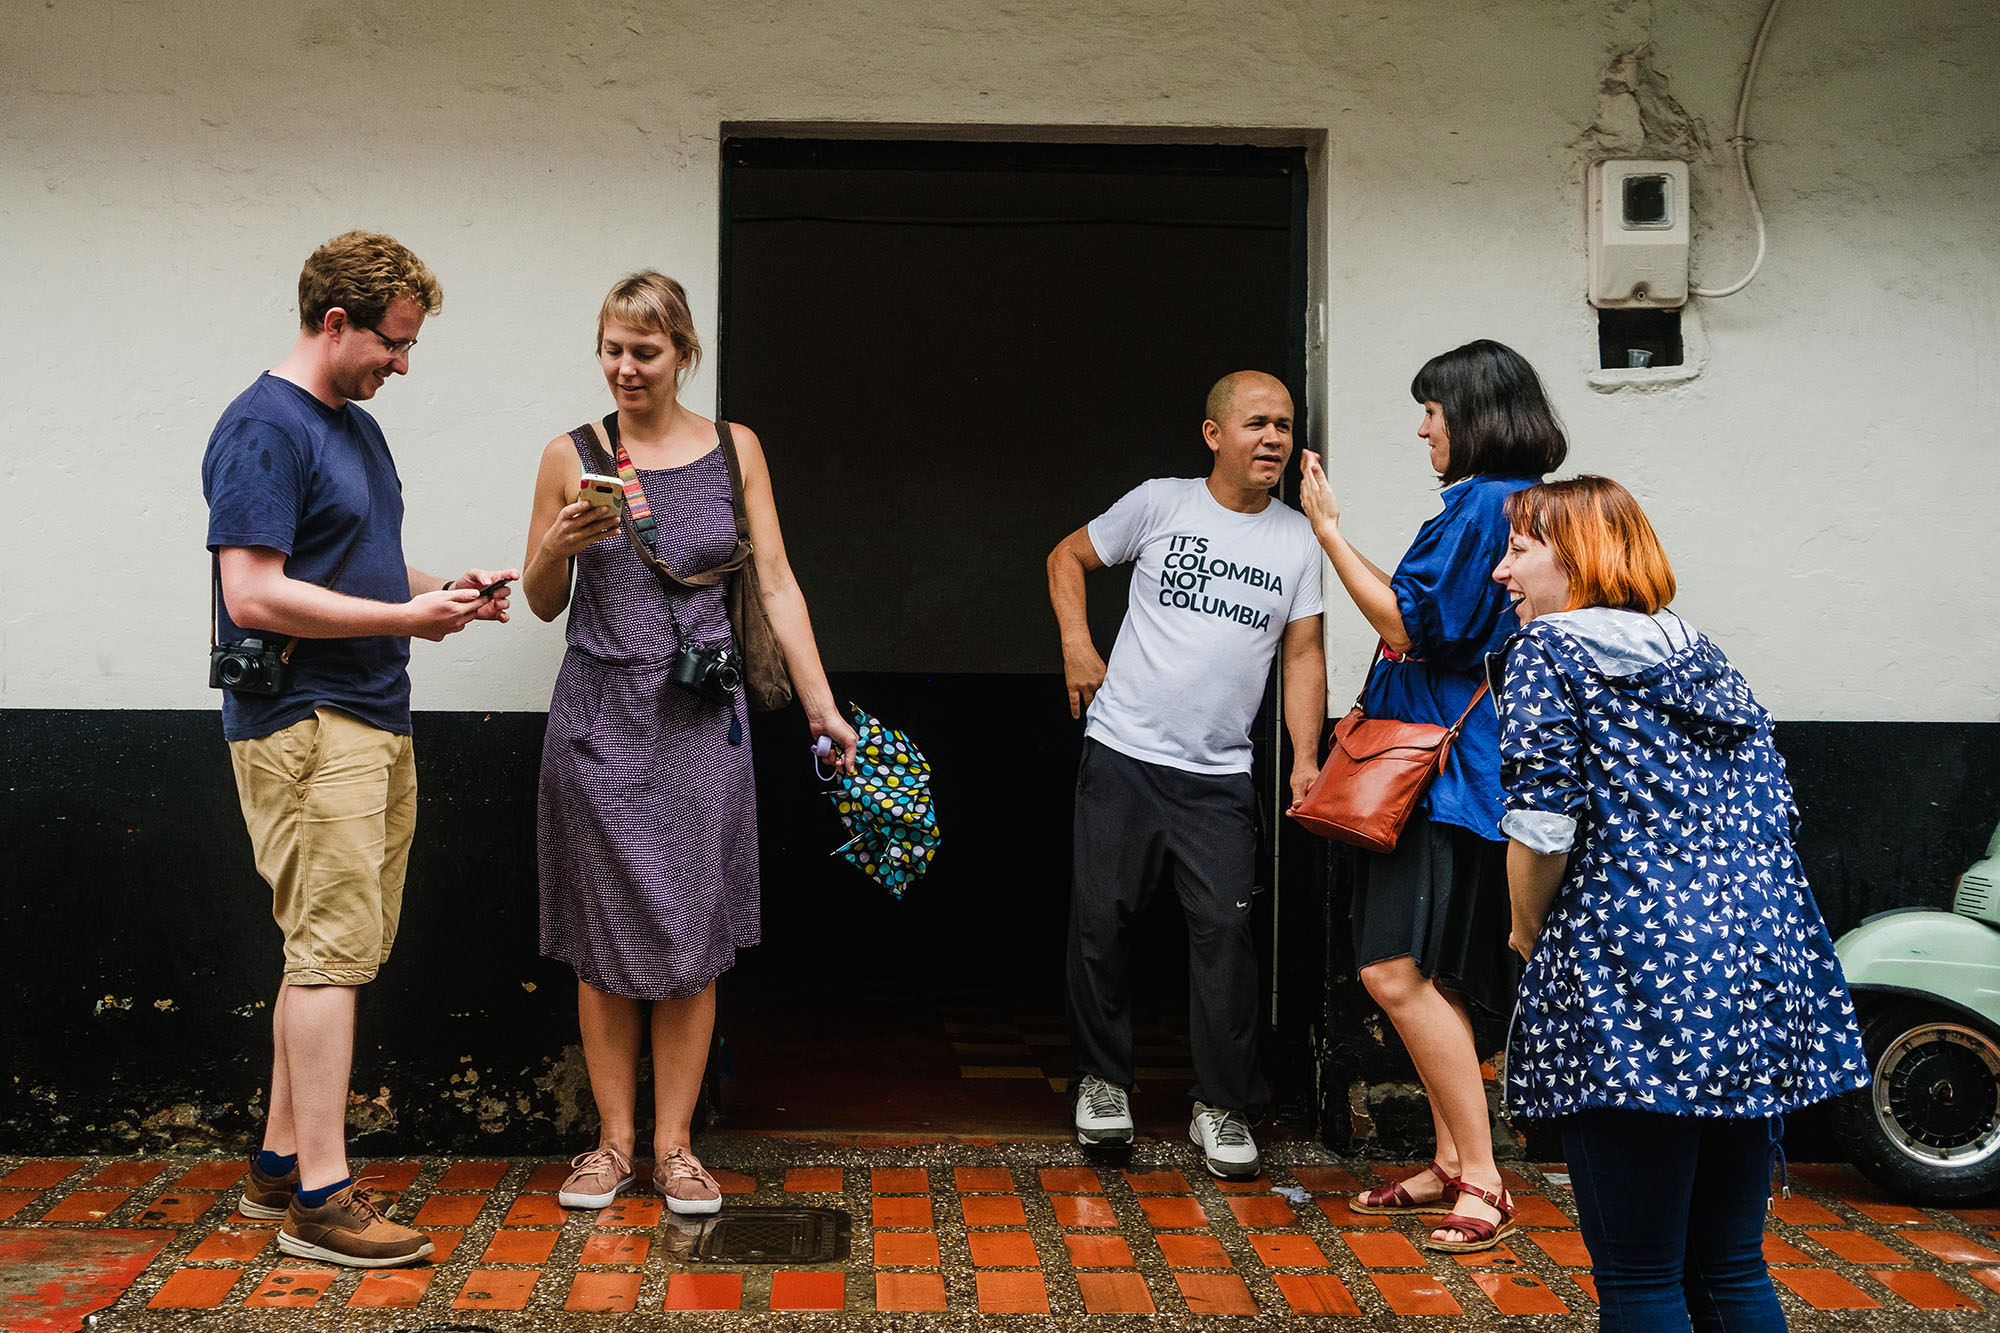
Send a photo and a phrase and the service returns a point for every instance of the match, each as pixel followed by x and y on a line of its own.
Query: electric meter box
pixel 1638 234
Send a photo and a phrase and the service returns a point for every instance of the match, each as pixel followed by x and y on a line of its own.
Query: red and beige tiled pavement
pixel 944 1234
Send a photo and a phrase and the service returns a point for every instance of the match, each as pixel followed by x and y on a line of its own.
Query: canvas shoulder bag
pixel 1375 774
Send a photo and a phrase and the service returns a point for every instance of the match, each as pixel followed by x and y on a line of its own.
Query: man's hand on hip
pixel 1083 672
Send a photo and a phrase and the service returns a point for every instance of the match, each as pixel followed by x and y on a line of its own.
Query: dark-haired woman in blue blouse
pixel 1430 919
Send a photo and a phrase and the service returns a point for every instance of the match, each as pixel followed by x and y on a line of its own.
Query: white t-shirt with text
pixel 1212 592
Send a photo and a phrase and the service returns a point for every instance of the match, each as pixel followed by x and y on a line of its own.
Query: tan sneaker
pixel 350 1228
pixel 683 1183
pixel 600 1177
pixel 266 1197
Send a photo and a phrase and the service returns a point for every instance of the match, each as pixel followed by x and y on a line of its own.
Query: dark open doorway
pixel 955 354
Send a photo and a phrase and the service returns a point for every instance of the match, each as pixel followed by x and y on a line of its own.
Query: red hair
pixel 1600 538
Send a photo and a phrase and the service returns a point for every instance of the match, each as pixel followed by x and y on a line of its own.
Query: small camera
pixel 248 666
pixel 714 673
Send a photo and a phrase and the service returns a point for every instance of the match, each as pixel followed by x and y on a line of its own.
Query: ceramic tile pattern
pixel 954 1230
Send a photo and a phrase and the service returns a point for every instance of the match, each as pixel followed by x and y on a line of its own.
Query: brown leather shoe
pixel 266 1197
pixel 350 1228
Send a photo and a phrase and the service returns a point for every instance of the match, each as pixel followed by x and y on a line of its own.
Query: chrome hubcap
pixel 1937 1095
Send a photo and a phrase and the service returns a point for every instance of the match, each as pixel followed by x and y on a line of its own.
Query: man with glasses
pixel 305 520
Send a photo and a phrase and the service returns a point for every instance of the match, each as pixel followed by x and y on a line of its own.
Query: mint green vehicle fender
pixel 1936 956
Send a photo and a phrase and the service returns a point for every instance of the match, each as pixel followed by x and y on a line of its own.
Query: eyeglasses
pixel 394 347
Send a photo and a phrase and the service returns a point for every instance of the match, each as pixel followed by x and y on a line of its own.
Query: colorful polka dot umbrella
pixel 886 804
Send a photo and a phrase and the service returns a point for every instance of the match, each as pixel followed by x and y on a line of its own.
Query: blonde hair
pixel 1600 538
pixel 652 302
pixel 362 273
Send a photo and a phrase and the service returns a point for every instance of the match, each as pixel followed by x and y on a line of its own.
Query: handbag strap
pixel 643 544
pixel 1380 647
pixel 1477 695
pixel 725 440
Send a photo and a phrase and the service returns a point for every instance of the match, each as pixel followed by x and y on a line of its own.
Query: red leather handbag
pixel 1374 776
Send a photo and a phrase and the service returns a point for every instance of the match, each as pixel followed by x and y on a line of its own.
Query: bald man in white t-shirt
pixel 1225 579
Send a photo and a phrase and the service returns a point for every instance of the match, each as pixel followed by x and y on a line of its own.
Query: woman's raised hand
pixel 1316 497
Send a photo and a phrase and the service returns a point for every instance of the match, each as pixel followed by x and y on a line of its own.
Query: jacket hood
pixel 1671 669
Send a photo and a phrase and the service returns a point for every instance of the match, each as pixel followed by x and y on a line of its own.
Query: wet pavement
pixel 941 1234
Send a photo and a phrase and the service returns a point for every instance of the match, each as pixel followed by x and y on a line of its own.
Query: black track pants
pixel 1135 820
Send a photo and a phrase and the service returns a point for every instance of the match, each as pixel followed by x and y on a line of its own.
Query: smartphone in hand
pixel 498 585
pixel 600 490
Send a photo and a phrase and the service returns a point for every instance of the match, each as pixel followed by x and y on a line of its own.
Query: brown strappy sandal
pixel 1395 1199
pixel 1484 1234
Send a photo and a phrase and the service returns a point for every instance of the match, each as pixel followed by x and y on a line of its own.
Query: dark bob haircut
pixel 1498 417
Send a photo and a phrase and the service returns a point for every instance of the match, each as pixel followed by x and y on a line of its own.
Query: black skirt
pixel 1439 899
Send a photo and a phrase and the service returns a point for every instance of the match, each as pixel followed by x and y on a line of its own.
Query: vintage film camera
pixel 248 666
pixel 713 673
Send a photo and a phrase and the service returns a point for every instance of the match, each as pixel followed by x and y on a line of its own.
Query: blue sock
pixel 271 1164
pixel 317 1198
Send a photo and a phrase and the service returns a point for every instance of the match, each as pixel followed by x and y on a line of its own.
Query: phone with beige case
pixel 600 490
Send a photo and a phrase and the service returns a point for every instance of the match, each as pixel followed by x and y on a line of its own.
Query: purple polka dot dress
pixel 647 819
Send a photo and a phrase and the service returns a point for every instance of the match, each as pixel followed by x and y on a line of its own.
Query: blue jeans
pixel 1672 1209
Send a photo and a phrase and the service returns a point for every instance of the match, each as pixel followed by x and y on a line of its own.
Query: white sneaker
pixel 1103 1112
pixel 1227 1149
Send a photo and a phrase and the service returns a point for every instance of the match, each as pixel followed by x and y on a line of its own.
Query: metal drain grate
pixel 774 1236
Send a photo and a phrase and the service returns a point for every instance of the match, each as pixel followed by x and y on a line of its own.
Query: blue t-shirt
pixel 286 471
pixel 1456 614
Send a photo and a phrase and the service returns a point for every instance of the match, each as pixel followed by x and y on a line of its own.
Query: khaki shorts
pixel 331 803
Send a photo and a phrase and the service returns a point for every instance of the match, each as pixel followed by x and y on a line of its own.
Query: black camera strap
pixel 674 623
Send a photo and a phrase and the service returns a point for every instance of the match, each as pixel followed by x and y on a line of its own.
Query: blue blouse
pixel 1684 967
pixel 1455 614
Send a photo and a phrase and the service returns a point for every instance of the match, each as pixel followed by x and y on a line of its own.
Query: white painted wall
pixel 1826 486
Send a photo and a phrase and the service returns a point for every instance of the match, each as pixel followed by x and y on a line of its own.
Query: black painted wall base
pixel 141 957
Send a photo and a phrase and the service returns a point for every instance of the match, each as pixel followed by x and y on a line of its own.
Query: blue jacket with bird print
pixel 1684 967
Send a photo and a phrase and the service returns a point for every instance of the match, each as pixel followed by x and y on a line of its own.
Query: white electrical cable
pixel 1743 160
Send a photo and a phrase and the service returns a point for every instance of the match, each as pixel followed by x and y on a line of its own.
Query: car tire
pixel 1928 1125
